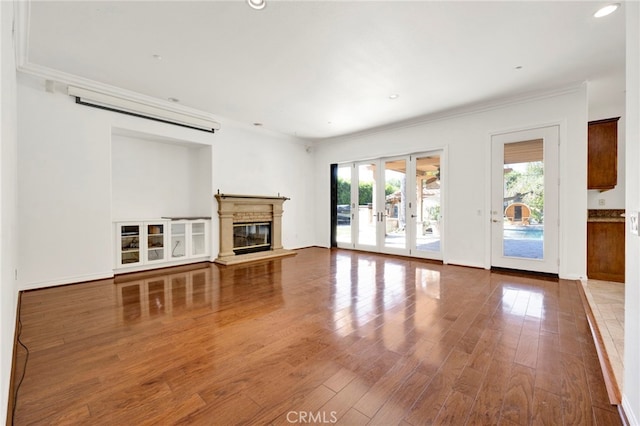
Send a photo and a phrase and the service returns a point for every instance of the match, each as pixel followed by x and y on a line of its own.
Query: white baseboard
pixel 455 262
pixel 571 277
pixel 67 280
pixel 631 416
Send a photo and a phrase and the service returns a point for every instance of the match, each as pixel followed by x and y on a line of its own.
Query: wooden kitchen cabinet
pixel 602 162
pixel 605 251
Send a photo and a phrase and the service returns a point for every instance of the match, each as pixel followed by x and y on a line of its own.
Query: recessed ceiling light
pixel 173 100
pixel 257 4
pixel 607 10
pixel 518 67
pixel 157 57
pixel 394 96
pixel 257 124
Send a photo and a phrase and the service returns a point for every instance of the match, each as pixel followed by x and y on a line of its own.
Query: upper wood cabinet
pixel 602 167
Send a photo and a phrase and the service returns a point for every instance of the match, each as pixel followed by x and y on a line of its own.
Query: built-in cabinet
pixel 188 239
pixel 157 243
pixel 605 245
pixel 602 167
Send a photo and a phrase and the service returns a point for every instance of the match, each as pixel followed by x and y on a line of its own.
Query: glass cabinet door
pixel 155 242
pixel 178 240
pixel 129 244
pixel 198 239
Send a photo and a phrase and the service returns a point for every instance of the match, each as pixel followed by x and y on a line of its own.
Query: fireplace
pixel 250 228
pixel 251 237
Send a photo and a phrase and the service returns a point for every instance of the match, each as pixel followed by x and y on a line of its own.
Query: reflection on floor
pixel 348 337
pixel 607 304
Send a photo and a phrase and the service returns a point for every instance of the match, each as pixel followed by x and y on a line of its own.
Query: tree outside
pixel 365 191
pixel 526 185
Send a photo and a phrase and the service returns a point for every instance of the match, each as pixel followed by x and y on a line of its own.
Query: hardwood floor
pixel 327 336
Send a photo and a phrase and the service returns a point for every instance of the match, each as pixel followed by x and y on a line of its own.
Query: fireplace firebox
pixel 251 237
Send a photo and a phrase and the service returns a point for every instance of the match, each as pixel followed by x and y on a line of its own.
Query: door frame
pixel 551 135
pixel 413 251
pixel 411 203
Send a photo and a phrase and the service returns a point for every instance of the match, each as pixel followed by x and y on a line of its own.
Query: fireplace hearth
pixel 250 228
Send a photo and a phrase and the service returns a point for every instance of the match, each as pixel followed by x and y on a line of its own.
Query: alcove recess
pixel 234 210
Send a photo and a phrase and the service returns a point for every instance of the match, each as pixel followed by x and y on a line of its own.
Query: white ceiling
pixel 322 69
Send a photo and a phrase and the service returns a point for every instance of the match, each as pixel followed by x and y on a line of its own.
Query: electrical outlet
pixel 601 202
pixel 633 223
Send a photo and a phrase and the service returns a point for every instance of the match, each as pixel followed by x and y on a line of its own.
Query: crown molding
pixel 465 110
pixel 21 21
pixel 106 89
pixel 22 14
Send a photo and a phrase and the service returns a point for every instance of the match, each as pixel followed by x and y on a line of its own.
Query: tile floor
pixel 607 303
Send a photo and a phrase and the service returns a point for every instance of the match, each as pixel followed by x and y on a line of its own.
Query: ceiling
pixel 322 69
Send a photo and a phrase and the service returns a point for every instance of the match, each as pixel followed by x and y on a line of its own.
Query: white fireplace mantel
pixel 234 208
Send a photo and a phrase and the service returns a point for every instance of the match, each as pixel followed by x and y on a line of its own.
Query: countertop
pixel 606 215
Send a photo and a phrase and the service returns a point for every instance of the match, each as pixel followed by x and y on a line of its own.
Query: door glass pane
pixel 395 196
pixel 428 199
pixel 178 240
pixel 367 210
pixel 523 201
pixel 343 234
pixel 197 238
pixel 130 244
pixel 155 242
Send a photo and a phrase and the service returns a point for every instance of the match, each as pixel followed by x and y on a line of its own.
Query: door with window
pixel 381 198
pixel 391 205
pixel 524 207
pixel 426 217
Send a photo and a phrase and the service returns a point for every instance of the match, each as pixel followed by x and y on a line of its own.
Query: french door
pixel 391 205
pixel 524 205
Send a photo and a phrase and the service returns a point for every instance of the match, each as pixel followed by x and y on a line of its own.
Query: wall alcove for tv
pixel 154 176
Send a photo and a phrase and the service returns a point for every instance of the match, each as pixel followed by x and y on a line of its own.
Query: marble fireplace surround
pixel 233 208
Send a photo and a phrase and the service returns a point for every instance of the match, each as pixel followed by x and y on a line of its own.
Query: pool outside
pixel 524 241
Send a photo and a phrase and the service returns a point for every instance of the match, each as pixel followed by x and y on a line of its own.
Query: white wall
pixel 65 181
pixel 153 179
pixel 631 386
pixel 8 210
pixel 250 160
pixel 467 138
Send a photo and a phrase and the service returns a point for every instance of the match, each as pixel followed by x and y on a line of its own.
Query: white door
pixel 366 210
pixel 373 205
pixel 426 218
pixel 524 206
pixel 380 205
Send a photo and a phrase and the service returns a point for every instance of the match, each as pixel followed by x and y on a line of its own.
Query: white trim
pixel 465 263
pixel 628 411
pixel 22 21
pixel 573 277
pixel 125 104
pixel 67 280
pixel 106 89
pixel 465 110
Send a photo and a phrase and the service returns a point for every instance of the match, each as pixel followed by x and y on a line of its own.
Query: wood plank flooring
pixel 324 337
